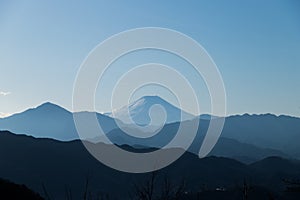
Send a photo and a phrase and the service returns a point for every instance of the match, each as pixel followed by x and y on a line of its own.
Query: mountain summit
pixel 150 110
pixel 49 120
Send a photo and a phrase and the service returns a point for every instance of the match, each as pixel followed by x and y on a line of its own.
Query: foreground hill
pixel 67 166
pixel 9 190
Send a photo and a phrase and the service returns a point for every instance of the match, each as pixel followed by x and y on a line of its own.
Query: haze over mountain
pixel 279 134
pixel 227 147
pixel 266 131
pixel 50 121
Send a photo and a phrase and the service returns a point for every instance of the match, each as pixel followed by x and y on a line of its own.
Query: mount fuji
pixel 150 110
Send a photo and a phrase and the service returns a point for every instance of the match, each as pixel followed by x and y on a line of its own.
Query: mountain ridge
pixel 50 120
pixel 109 113
pixel 262 130
pixel 52 162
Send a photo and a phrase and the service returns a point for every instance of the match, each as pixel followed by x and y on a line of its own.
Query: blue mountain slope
pixel 266 131
pixel 226 147
pixel 50 121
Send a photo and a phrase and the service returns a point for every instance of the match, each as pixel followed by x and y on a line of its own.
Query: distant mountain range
pixel 266 135
pixel 55 167
pixel 266 130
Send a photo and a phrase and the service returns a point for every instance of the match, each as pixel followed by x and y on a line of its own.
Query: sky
pixel 255 44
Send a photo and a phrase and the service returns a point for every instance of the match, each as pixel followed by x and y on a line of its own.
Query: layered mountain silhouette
pixel 226 147
pixel 55 167
pixel 267 134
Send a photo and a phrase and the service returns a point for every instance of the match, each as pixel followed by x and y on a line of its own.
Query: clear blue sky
pixel 255 44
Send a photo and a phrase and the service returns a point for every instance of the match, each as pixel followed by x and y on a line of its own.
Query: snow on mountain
pixel 148 108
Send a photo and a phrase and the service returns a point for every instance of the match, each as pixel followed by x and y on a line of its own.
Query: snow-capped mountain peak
pixel 146 108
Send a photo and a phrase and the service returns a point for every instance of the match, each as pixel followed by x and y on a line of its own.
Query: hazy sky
pixel 255 44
